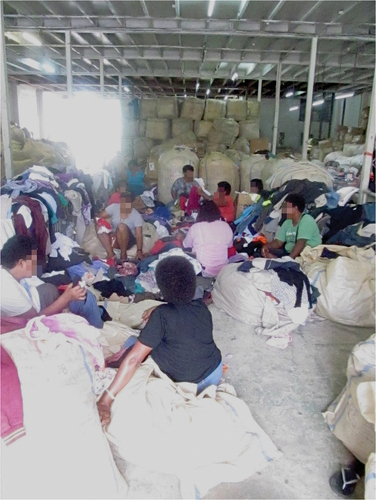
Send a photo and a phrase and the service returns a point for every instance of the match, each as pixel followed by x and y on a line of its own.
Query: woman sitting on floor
pixel 210 238
pixel 178 336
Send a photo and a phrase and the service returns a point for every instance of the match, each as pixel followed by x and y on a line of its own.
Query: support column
pixel 120 87
pixel 101 76
pixel 40 113
pixel 259 90
pixel 370 146
pixel 308 110
pixel 276 108
pixel 68 58
pixel 5 121
pixel 13 103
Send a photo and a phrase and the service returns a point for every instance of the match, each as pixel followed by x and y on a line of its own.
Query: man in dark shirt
pixel 178 336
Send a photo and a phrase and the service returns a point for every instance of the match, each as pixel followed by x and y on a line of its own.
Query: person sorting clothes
pixel 210 238
pixel 222 199
pixel 136 180
pixel 298 231
pixel 182 186
pixel 22 300
pixel 178 336
pixel 124 231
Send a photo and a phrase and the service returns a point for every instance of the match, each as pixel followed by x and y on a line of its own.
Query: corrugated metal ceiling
pixel 165 47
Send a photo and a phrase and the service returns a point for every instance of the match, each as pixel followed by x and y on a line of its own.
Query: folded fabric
pixel 63 245
pixel 12 427
pixel 107 288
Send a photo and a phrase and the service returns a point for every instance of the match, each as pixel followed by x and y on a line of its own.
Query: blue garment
pixel 212 379
pixel 369 212
pixel 135 183
pixel 332 199
pixel 76 271
pixel 163 212
pixel 15 188
pixel 88 309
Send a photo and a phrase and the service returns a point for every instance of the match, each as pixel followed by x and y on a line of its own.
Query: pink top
pixel 210 241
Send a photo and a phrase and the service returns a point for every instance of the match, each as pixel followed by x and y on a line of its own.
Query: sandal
pixel 344 481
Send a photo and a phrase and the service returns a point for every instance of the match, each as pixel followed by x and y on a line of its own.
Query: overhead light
pixel 197 86
pixel 31 38
pixel 48 68
pixel 106 61
pixel 185 94
pixel 126 89
pixel 87 61
pixel 31 62
pixel 289 94
pixel 208 92
pixel 294 108
pixel 226 97
pixel 219 91
pixel 211 7
pixel 318 103
pixel 344 96
pixel 234 76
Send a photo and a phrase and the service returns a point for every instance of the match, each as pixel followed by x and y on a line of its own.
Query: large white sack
pixel 148 109
pixel 353 149
pixel 253 108
pixel 202 128
pixel 142 147
pixel 286 169
pixel 65 453
pixel 235 156
pixel 170 168
pixel 167 107
pixel 158 129
pixel 345 416
pixel 370 478
pixel 214 108
pixel 17 135
pixel 142 128
pixel 217 167
pixel 188 139
pixel 250 129
pixel 193 108
pixel 346 284
pixel 250 168
pixel 215 148
pixel 181 126
pixel 180 431
pixel 236 109
pixel 91 243
pixel 242 144
pixel 342 162
pixel 224 131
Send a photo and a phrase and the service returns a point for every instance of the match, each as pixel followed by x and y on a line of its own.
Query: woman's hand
pixel 104 411
pixel 75 292
pixel 146 314
pixel 140 255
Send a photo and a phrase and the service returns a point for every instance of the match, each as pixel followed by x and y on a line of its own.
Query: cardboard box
pixel 243 201
pixel 259 145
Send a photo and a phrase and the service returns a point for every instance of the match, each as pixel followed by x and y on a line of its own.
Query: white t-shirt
pixel 133 220
pixel 15 297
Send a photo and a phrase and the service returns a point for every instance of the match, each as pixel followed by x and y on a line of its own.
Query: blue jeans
pixel 212 379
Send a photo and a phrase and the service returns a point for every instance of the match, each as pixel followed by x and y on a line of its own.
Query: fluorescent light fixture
pixel 197 86
pixel 226 97
pixel 106 61
pixel 344 96
pixel 31 62
pixel 87 61
pixel 185 94
pixel 211 7
pixel 31 38
pixel 289 94
pixel 48 68
pixel 208 92
pixel 126 89
pixel 294 108
pixel 234 76
pixel 318 103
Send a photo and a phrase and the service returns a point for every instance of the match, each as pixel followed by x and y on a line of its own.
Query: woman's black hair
pixel 226 186
pixel 257 183
pixel 19 247
pixel 176 279
pixel 208 212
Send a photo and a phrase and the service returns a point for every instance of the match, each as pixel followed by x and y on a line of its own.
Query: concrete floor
pixel 286 391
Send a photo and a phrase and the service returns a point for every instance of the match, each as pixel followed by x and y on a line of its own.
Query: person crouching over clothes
pixel 21 300
pixel 182 186
pixel 298 231
pixel 124 230
pixel 178 336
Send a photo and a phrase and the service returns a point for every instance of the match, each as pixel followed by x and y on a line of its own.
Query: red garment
pixel 159 245
pixel 115 198
pixel 37 229
pixel 228 211
pixel 12 427
pixel 231 252
pixel 183 202
pixel 193 201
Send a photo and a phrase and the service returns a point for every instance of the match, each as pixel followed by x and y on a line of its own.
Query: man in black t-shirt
pixel 178 336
